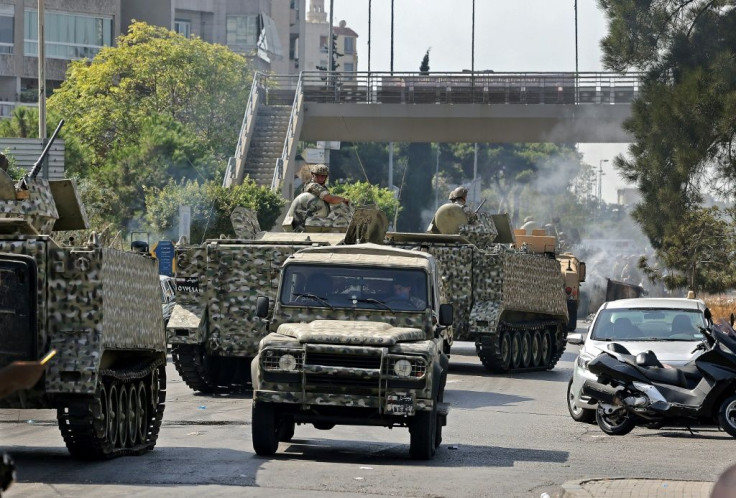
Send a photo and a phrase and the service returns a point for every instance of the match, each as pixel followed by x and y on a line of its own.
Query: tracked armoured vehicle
pixel 509 301
pixel 573 270
pixel 98 307
pixel 213 333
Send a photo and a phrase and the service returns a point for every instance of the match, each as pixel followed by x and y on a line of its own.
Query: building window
pixel 68 36
pixel 349 45
pixel 7 19
pixel 242 33
pixel 323 44
pixel 349 67
pixel 183 27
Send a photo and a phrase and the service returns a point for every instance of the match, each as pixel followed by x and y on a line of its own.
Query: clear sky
pixel 510 35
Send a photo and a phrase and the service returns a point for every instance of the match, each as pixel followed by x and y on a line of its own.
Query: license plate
pixel 400 404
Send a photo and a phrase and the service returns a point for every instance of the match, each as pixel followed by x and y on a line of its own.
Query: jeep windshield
pixel 369 288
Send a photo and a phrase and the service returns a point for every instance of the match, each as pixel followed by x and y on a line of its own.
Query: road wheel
pixel 123 416
pixel 536 348
pixel 617 423
pixel 133 415
pixel 112 415
pixel 143 410
pixel 265 430
pixel 504 347
pixel 578 414
pixel 515 349
pixel 286 429
pixel 423 433
pixel 526 349
pixel 547 338
pixel 727 415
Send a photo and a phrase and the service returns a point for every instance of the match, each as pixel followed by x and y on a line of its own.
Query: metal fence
pixel 456 88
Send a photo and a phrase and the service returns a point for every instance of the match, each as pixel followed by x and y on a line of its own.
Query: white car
pixel 670 327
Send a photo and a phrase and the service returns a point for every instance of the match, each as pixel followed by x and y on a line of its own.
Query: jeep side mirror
pixel 732 319
pixel 445 315
pixel 708 315
pixel 262 307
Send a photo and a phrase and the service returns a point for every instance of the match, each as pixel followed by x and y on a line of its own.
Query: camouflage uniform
pixel 315 188
pixel 306 206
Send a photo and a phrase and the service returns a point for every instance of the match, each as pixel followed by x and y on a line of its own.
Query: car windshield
pixel 371 288
pixel 650 324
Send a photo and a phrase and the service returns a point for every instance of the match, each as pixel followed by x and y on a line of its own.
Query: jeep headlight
pixel 282 360
pixel 408 367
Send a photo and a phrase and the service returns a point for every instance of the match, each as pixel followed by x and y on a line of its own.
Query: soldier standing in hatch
pixel 317 185
pixel 304 207
pixel 457 197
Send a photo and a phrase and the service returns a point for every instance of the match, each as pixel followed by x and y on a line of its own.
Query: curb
pixel 635 487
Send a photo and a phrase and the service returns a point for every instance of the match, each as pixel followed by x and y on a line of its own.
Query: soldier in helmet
pixel 317 185
pixel 453 214
pixel 313 202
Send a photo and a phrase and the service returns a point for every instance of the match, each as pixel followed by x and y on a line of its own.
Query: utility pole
pixel 600 181
pixel 41 73
pixel 369 38
pixel 391 144
pixel 329 41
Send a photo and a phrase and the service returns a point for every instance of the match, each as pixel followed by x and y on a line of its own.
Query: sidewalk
pixel 633 488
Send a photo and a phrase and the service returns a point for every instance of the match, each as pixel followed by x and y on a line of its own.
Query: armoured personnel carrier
pixel 573 270
pixel 98 307
pixel 213 333
pixel 509 301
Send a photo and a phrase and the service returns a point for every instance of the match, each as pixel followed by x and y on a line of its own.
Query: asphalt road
pixel 506 436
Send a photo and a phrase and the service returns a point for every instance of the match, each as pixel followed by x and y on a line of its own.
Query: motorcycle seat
pixel 648 359
pixel 685 377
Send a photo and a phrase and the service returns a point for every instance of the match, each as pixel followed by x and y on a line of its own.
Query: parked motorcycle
pixel 639 390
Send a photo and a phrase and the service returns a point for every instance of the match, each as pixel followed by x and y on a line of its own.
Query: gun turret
pixel 37 206
pixel 39 162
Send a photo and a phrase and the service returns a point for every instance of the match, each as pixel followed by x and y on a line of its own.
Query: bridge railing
pixel 462 88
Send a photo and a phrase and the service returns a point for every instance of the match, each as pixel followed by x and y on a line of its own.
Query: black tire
pixel 525 349
pixel 423 434
pixel 584 415
pixel 572 312
pixel 265 430
pixel 547 346
pixel 617 424
pixel 323 426
pixel 286 429
pixel 727 415
pixel 441 420
pixel 515 349
pixel 504 348
pixel 536 348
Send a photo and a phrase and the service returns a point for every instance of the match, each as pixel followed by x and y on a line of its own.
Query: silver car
pixel 670 327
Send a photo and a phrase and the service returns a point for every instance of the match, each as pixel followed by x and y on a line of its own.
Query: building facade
pixel 316 34
pixel 267 32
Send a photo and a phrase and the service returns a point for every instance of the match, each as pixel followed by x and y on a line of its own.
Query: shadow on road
pixel 330 451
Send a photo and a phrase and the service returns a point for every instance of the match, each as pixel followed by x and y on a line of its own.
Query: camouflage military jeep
pixel 357 338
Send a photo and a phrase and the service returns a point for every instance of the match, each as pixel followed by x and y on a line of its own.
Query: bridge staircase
pixel 269 134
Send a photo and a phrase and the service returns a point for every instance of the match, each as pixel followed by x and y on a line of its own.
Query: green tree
pixel 154 71
pixel 211 205
pixel 156 107
pixel 682 121
pixel 366 193
pixel 698 255
pixel 424 66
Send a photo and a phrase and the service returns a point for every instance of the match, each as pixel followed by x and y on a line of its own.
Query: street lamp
pixel 600 180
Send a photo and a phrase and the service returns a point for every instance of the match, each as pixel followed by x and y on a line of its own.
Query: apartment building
pixel 265 31
pixel 316 35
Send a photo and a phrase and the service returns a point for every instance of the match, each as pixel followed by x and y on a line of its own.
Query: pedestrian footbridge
pixel 412 107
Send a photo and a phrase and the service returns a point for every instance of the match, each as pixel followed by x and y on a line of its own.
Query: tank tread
pixel 188 360
pixel 82 420
pixel 497 357
pixel 210 374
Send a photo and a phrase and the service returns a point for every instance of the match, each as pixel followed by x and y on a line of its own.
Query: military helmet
pixel 458 193
pixel 319 169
